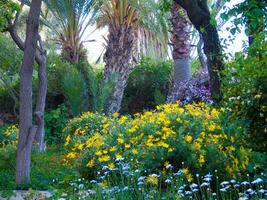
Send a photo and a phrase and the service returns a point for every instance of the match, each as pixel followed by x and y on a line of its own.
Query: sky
pixel 96 48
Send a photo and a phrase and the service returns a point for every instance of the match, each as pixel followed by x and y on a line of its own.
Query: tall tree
pixel 26 129
pixel 124 19
pixel 40 58
pixel 199 14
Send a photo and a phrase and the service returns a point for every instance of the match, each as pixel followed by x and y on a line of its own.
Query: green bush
pixel 245 91
pixel 10 61
pixel 55 122
pixel 147 86
pixel 196 138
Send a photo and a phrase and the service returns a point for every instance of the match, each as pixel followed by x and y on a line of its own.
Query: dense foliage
pixel 197 138
pixel 245 91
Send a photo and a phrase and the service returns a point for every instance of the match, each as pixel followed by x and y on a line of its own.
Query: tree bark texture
pixel 26 130
pixel 40 58
pixel 40 105
pixel 117 57
pixel 199 15
pixel 181 44
pixel 180 41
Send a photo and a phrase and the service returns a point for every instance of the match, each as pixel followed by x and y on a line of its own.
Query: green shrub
pixel 196 138
pixel 245 91
pixel 55 122
pixel 147 86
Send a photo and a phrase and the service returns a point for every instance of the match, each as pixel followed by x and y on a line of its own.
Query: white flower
pixel 193 185
pixel 168 181
pixel 233 181
pixel 140 183
pixel 224 183
pixel 141 178
pixel 179 173
pixel 188 193
pixel 245 183
pixel 169 166
pixel 195 190
pixel 262 191
pixel 93 181
pixel 257 181
pixel 207 179
pixel 204 184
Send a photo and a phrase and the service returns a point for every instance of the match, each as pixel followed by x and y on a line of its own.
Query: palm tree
pixel 72 18
pixel 125 19
pixel 181 47
pixel 181 44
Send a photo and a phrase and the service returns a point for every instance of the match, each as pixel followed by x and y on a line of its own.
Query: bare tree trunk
pixel 40 105
pixel 26 130
pixel 201 56
pixel 199 15
pixel 40 58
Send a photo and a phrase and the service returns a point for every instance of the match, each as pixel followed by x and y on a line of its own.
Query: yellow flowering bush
pixel 8 135
pixel 196 138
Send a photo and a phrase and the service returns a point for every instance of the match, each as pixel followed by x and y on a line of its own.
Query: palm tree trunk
pixel 117 58
pixel 181 47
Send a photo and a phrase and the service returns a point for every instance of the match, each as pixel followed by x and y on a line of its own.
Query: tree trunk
pixel 201 56
pixel 26 130
pixel 181 47
pixel 40 105
pixel 117 57
pixel 199 15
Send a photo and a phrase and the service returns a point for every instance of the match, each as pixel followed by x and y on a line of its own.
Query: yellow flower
pixel 188 175
pixel 115 115
pixel 120 140
pixel 105 151
pixel 111 166
pixel 80 147
pixel 72 155
pixel 179 120
pixel 127 146
pixel 91 163
pixel 152 179
pixel 67 140
pixel 134 152
pixel 188 138
pixel 166 164
pixel 211 127
pixel 118 156
pixel 104 158
pixel 214 113
pixel 98 153
pixel 197 146
pixel 201 160
pixel 113 149
pixel 230 148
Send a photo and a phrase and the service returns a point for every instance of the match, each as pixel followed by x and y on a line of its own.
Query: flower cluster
pixel 196 137
pixel 196 89
pixel 9 135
